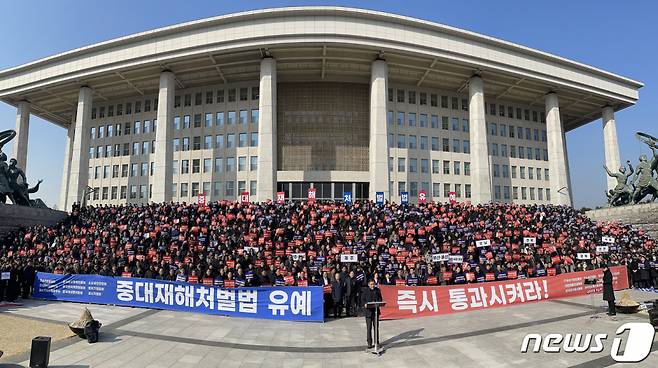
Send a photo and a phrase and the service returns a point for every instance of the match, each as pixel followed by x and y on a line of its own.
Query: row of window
pixel 412 97
pixel 219 96
pixel 187 190
pixel 145 169
pixel 217 119
pixel 146 147
pixel 500 192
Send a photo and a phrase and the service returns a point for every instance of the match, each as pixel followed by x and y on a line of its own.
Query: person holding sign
pixel 608 290
pixel 368 295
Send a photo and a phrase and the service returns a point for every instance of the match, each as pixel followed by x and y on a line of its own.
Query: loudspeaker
pixel 40 354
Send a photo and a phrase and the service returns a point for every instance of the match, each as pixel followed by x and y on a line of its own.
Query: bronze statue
pixel 13 183
pixel 621 193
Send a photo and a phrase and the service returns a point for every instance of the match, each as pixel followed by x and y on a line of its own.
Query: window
pixel 242 140
pixel 519 131
pixel 219 141
pixel 147 126
pixel 515 192
pixel 231 118
pixel 253 187
pixel 400 119
pixel 219 119
pixel 546 175
pixel 467 146
pixel 255 92
pixel 196 166
pixel 230 164
pixel 124 192
pixel 505 171
pixel 144 169
pixel 435 143
pixel 446 190
pixel 126 128
pixel 400 95
pixel 424 165
pixel 217 188
pixel 176 144
pixel 513 172
pixel 196 145
pixel 444 122
pixel 197 98
pixel 494 149
pixel 401 164
pixel 254 117
pixel 185 167
pixel 454 103
pixel 456 167
pixel 137 127
pixel 455 124
pixel 209 97
pixel 434 122
pixel 254 139
pixel 186 122
pixel 435 167
pixel 208 120
pixel 456 147
pixel 207 142
pixel 230 140
pixel 434 100
pixel 423 143
pixel 145 148
pixel 412 117
pixel 496 170
pixel 174 165
pixel 220 96
pixel 133 191
pixel 219 165
pixel 522 172
pixel 511 131
pixel 128 108
pixel 124 170
pixel 465 127
pixel 184 189
pixel 467 168
pixel 493 129
pixel 242 117
pixel 496 191
pixel 446 145
pixel 412 97
pixel 253 163
pixel 242 163
pixel 412 142
pixel 402 141
pixel 413 189
pixel 492 109
pixel 423 98
pixel 206 165
pixel 197 120
pixel 446 167
pixel 503 150
pixel 230 189
pixel 244 94
pixel 506 191
pixel 136 148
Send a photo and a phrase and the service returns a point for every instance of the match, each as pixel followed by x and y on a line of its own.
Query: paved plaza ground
pixel 134 337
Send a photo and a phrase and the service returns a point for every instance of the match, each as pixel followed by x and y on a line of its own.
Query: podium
pixel 376 305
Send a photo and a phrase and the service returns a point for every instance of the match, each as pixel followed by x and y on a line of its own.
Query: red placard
pixel 193 279
pixel 489 276
pixel 126 274
pixel 280 197
pixel 244 197
pixel 432 280
pixel 436 300
pixel 289 280
pixel 303 283
pixel 512 274
pixel 208 281
pixel 201 199
pixel 447 276
pixel 422 197
pixel 311 194
pixel 229 283
pixel 400 282
pixel 452 197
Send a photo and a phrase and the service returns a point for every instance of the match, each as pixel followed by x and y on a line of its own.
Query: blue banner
pixel 281 303
pixel 379 197
pixel 347 197
pixel 404 197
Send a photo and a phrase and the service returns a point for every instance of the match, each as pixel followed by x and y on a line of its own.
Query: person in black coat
pixel 371 294
pixel 608 291
pixel 337 295
pixel 27 280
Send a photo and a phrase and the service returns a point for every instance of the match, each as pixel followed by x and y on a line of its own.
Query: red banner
pixel 418 301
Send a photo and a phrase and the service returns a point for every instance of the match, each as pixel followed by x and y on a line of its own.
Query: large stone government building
pixel 339 99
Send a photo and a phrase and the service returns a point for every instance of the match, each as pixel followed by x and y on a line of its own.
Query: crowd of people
pixel 231 244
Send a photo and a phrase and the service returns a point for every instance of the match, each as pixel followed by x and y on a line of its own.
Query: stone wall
pixel 13 217
pixel 643 216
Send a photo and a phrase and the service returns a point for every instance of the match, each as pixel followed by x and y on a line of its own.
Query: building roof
pixel 314 43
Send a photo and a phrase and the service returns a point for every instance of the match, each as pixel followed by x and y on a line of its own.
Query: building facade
pixel 337 99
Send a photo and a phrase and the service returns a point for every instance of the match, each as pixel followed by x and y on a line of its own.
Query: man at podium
pixel 369 295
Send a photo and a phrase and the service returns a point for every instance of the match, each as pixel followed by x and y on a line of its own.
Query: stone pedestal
pixel 12 217
pixel 643 216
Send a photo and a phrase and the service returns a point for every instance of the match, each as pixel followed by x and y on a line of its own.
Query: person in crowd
pixel 608 291
pixel 368 295
pixel 337 295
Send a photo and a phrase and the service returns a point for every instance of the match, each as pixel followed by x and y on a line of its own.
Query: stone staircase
pixel 643 216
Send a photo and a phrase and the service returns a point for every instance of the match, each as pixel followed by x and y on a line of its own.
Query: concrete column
pixel 64 189
pixel 480 168
pixel 558 162
pixel 19 151
pixel 79 166
pixel 163 175
pixel 378 153
pixel 610 144
pixel 267 150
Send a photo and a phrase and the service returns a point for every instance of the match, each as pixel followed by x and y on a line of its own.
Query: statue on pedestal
pixel 643 182
pixel 622 193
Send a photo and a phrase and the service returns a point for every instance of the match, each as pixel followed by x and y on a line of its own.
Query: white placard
pixel 440 257
pixel 5 276
pixel 584 256
pixel 482 243
pixel 456 259
pixel 349 258
pixel 608 239
pixel 528 240
pixel 251 249
pixel 602 249
pixel 298 256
